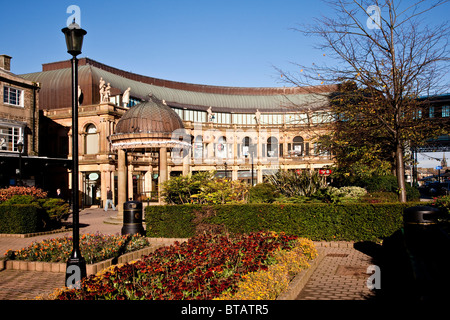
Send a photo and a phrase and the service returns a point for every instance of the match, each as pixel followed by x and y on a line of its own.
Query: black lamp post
pixel 20 149
pixel 76 265
pixel 253 181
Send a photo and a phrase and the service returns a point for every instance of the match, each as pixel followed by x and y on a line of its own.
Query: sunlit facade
pixel 242 133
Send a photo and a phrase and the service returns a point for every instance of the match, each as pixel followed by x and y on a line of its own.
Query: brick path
pixel 340 275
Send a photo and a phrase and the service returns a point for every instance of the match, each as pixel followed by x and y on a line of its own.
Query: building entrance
pixel 91 189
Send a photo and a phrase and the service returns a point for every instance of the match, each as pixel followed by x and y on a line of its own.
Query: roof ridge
pixel 226 90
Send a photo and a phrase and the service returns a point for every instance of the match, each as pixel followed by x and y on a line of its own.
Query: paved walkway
pixel 341 275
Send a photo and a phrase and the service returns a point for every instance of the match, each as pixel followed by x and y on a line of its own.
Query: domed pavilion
pixel 153 129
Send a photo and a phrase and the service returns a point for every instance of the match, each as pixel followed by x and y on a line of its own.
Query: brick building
pixel 20 125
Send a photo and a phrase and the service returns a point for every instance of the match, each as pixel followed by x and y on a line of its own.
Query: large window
pixel 193 115
pixel 272 147
pixel 244 118
pixel 298 146
pixel 13 96
pixel 431 112
pixel 445 111
pixel 221 117
pixel 91 139
pixel 9 137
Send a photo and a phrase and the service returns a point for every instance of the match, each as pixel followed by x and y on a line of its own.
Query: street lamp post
pixel 253 183
pixel 76 265
pixel 20 149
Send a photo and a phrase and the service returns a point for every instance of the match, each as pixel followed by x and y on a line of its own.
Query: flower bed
pixel 205 267
pixel 94 248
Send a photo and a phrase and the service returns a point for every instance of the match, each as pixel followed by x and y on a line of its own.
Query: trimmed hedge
pixel 20 218
pixel 344 222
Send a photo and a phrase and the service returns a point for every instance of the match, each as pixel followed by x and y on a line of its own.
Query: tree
pixel 391 59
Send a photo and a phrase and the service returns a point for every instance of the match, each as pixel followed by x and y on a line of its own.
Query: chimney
pixel 5 62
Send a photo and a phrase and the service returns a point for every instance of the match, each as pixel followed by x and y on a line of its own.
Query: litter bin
pixel 426 248
pixel 132 218
pixel 420 216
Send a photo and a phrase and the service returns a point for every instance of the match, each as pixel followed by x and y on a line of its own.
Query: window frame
pixel 7 96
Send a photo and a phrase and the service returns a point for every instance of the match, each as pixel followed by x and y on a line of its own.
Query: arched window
pixel 298 147
pixel 221 147
pixel 91 139
pixel 198 147
pixel 272 147
pixel 246 142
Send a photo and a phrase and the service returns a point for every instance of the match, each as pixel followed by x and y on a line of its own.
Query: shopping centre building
pixel 136 131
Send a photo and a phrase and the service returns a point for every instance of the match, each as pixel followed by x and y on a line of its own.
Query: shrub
pixel 347 222
pixel 262 193
pixel 290 183
pixel 20 218
pixel 443 203
pixel 380 197
pixel 57 209
pixel 8 193
pixel 388 183
pixel 343 194
pixel 51 211
pixel 203 188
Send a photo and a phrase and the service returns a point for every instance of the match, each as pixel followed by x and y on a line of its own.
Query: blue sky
pixel 214 42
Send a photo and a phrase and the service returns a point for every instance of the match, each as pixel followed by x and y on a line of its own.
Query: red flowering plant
pixel 8 193
pixel 201 268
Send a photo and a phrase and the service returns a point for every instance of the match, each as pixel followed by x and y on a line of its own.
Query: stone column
pixel 259 175
pixel 162 168
pixel 122 183
pixel 130 194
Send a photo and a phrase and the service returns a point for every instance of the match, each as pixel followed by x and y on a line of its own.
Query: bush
pixel 291 183
pixel 380 197
pixel 203 188
pixel 443 203
pixel 262 193
pixel 8 193
pixel 388 183
pixel 347 222
pixel 20 218
pixel 343 194
pixel 57 209
pixel 51 210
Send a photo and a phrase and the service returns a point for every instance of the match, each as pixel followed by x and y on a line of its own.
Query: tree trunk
pixel 400 173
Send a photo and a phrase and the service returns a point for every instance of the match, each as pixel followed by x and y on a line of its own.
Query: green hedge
pixel 345 222
pixel 20 218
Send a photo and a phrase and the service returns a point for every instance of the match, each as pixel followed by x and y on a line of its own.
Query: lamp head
pixel 74 38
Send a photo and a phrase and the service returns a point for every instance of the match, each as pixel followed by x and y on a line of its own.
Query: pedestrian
pixel 59 194
pixel 109 199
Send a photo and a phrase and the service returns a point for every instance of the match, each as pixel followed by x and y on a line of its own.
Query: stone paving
pixel 341 275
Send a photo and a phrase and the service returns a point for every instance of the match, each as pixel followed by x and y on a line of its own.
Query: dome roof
pixel 149 117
